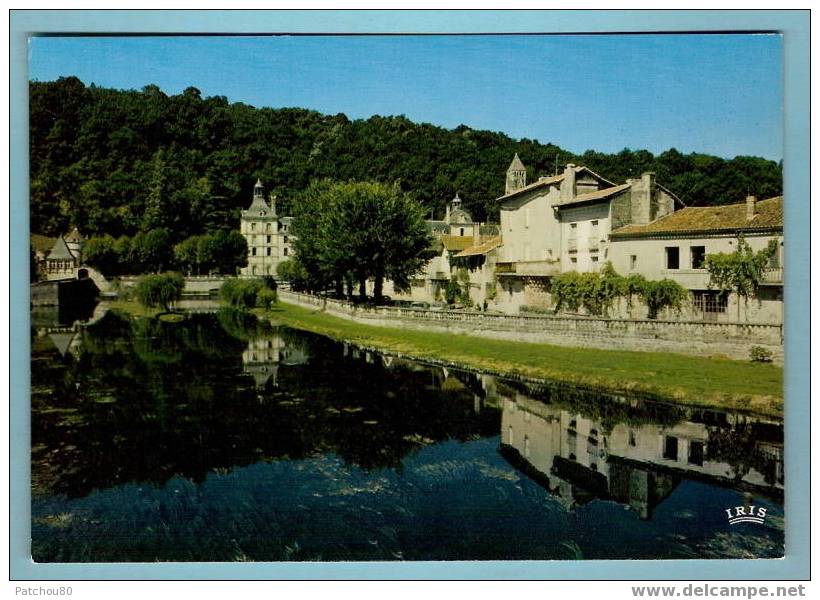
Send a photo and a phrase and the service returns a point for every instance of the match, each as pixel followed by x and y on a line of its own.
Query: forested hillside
pixel 119 162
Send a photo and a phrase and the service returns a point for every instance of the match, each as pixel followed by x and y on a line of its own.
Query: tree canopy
pixel 356 231
pixel 122 162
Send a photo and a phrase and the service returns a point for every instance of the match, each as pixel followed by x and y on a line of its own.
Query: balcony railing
pixel 532 268
pixel 773 276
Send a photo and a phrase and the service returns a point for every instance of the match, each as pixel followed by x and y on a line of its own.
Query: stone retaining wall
pixel 733 340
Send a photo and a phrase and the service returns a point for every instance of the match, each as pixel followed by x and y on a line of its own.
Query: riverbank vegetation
pixel 159 291
pixel 244 294
pixel 710 382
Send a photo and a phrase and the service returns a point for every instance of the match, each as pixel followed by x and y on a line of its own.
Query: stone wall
pixel 733 340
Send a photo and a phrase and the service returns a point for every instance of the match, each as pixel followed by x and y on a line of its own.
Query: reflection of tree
pixel 605 408
pixel 147 400
pixel 740 446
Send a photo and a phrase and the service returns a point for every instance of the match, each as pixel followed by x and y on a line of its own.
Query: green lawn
pixel 717 382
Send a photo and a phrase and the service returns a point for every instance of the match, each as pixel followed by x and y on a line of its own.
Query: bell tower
pixel 516 176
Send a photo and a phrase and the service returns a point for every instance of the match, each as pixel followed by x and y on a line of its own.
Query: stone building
pixel 64 258
pixel 675 247
pixel 562 223
pixel 451 236
pixel 267 234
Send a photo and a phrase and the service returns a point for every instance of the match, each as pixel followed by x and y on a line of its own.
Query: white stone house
pixel 562 223
pixel 675 247
pixel 64 258
pixel 267 234
pixel 451 236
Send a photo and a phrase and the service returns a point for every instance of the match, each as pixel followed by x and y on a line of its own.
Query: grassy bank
pixel 714 382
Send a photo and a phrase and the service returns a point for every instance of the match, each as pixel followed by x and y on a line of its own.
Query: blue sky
pixel 718 94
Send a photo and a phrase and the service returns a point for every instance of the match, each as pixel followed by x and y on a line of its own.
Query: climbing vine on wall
pixel 597 293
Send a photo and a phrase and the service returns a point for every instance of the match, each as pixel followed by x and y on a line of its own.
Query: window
pixel 253 226
pixel 286 239
pixel 461 231
pixel 267 227
pixel 253 251
pixel 672 257
pixel 632 441
pixel 573 260
pixel 696 453
pixel 267 239
pixel 698 256
pixel 286 252
pixel 670 447
pixel 710 301
pixel 268 251
pixel 573 230
pixel 633 261
pixel 594 228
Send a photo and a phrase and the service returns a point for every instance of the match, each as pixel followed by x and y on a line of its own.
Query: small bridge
pixel 86 272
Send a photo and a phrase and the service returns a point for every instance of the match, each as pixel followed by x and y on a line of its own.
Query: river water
pixel 226 439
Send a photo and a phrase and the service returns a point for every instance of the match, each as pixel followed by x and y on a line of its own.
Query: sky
pixel 716 94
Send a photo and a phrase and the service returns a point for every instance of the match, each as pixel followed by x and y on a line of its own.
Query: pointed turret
pixel 516 175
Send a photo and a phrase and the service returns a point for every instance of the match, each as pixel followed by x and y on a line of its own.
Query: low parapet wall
pixel 733 340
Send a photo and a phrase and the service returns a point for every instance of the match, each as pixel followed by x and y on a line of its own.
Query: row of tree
pixel 220 252
pixel 120 162
pixel 349 233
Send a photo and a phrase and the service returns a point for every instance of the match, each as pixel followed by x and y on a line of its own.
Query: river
pixel 223 438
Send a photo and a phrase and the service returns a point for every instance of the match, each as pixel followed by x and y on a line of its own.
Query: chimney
pixel 476 234
pixel 751 209
pixel 447 214
pixel 568 185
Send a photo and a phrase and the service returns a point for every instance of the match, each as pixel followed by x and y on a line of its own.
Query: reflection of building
pixel 267 234
pixel 263 356
pixel 636 465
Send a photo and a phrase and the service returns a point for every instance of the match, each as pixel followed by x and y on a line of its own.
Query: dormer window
pixel 261 213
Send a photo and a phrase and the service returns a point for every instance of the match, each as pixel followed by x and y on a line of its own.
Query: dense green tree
pixel 159 291
pixel 94 157
pixel 101 253
pixel 360 231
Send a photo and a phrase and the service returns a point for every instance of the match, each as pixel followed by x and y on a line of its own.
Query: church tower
pixel 516 176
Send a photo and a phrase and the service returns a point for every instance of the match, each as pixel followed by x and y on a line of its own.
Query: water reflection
pixel 579 457
pixel 226 438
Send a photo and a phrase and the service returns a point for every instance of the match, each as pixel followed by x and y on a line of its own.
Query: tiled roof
pixel 60 251
pixel 597 195
pixel 258 205
pixel 543 181
pixel 74 236
pixel 516 164
pixel 729 217
pixel 482 248
pixel 457 242
pixel 546 181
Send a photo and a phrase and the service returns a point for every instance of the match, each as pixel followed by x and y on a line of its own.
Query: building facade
pixel 562 223
pixel 450 238
pixel 267 234
pixel 676 246
pixel 64 258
